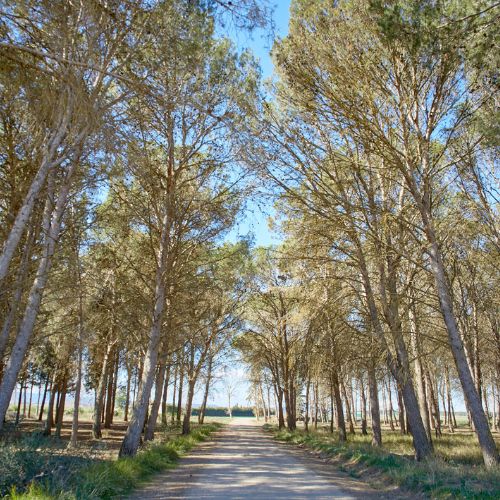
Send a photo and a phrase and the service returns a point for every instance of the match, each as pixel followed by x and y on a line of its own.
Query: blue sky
pixel 260 46
pixel 255 217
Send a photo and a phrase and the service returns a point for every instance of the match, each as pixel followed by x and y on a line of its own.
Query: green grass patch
pixel 454 471
pixel 115 478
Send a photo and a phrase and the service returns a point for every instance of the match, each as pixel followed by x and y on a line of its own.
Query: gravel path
pixel 243 462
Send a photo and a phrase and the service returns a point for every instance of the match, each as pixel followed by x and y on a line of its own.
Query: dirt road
pixel 243 462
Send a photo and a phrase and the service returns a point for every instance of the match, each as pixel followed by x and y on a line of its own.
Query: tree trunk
pixel 155 408
pixel 179 392
pixel 186 423
pixel 136 376
pixel 268 390
pixel 18 411
pixel 164 396
pixel 306 417
pixel 347 408
pixel 384 404
pixel 61 405
pixel 108 408
pixel 174 392
pixel 494 406
pixel 279 397
pixel 364 429
pixel 486 442
pixel 201 417
pixel 101 388
pixel 73 441
pixel 334 380
pixel 401 411
pixel 332 409
pixel 47 164
pixel 448 399
pixel 49 421
pixel 127 393
pixel 419 372
pixel 115 387
pixel 374 405
pixel 453 415
pixel 15 301
pixel 52 225
pixel 31 397
pixel 39 393
pixel 42 406
pixel 262 401
pixel 132 438
pixel 24 398
pixel 316 405
pixel 399 367
pixel 391 408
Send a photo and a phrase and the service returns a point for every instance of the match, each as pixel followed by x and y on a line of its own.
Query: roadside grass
pixel 102 480
pixel 454 471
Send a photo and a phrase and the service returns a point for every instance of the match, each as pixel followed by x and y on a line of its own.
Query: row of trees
pixel 382 139
pixel 124 130
pixel 122 124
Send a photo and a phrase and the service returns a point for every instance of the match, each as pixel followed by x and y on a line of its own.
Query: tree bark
pixel 179 392
pixel 364 427
pixel 306 417
pixel 279 398
pixel 49 421
pixel 155 408
pixel 448 399
pixel 164 396
pixel 17 296
pixel 419 372
pixel 115 387
pixel 347 408
pixel 486 442
pixel 391 408
pixel 401 411
pixel 186 423
pixel 20 398
pixel 108 408
pixel 434 405
pixel 132 438
pixel 47 164
pixel 374 405
pixel 399 368
pixel 203 408
pixel 42 406
pixel 334 380
pixel 73 441
pixel 127 393
pixel 101 388
pixel 61 405
pixel 174 392
pixel 31 397
pixel 52 225
pixel 316 405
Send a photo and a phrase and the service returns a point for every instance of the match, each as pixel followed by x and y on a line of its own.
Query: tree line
pixel 382 140
pixel 121 130
pixel 129 132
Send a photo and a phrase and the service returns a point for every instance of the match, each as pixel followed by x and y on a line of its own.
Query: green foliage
pixel 453 473
pixel 106 479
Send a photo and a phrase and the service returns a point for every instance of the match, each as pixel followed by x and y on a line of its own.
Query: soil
pixel 245 462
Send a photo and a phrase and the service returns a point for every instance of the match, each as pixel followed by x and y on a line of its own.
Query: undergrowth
pixel 439 477
pixel 108 478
